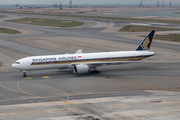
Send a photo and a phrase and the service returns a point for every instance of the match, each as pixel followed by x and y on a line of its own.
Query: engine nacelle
pixel 78 69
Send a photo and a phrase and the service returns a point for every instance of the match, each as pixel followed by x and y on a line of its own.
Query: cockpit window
pixel 17 63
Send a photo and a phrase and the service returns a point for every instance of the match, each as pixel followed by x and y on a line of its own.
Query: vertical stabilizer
pixel 146 43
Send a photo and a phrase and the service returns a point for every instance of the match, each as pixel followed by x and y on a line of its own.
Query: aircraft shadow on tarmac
pixel 122 70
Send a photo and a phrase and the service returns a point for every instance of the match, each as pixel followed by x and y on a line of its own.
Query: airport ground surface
pixel 146 90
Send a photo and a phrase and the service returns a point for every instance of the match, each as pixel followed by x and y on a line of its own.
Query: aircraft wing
pixel 96 64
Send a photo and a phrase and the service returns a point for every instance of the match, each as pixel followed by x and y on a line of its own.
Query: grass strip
pixel 47 22
pixel 9 31
pixel 170 37
pixel 109 18
pixel 138 28
pixel 1 16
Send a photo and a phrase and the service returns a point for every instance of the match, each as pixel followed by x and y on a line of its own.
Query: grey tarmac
pixel 145 90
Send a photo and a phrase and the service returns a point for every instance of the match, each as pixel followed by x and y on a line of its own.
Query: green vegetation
pixel 47 22
pixel 123 19
pixel 2 16
pixel 138 28
pixel 110 18
pixel 9 31
pixel 170 37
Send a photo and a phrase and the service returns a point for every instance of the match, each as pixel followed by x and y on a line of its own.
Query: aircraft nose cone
pixel 13 65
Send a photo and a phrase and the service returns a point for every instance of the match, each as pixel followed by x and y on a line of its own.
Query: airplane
pixel 86 62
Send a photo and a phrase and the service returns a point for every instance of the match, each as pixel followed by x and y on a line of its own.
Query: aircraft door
pixel 28 62
pixel 84 59
pixel 110 58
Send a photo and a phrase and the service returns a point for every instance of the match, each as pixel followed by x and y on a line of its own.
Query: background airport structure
pixel 145 90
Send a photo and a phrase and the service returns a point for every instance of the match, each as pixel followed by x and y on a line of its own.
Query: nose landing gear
pixel 24 73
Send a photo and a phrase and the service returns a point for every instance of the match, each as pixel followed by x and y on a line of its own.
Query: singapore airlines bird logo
pixel 145 44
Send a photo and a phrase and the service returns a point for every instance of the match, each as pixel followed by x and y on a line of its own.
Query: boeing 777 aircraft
pixel 86 62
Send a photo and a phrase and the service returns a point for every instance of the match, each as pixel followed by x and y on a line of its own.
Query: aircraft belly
pixel 55 66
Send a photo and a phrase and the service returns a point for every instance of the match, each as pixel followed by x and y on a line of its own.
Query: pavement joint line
pixel 10 89
pixel 33 98
pixel 137 84
pixel 66 101
pixel 174 71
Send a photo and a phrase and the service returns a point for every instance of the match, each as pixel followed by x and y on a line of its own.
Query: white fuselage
pixel 66 60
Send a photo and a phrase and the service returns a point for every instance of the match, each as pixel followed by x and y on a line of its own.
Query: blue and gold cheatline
pixel 133 58
pixel 146 43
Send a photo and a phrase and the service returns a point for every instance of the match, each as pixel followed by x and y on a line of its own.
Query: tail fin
pixel 146 43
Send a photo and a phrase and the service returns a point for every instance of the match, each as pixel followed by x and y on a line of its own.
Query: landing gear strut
pixel 94 71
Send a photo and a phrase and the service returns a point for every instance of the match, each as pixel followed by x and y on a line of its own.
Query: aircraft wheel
pixel 24 75
pixel 95 72
pixel 92 72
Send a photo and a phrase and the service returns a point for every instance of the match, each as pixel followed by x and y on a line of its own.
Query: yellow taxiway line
pixel 66 101
pixel 45 77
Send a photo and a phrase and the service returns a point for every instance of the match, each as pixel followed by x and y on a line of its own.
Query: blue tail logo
pixel 146 43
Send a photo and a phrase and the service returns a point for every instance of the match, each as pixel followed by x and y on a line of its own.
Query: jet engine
pixel 78 69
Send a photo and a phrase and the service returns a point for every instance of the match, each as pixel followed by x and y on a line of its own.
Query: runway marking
pixel 7 98
pixel 1 94
pixel 28 78
pixel 31 101
pixel 66 101
pixel 9 89
pixel 45 77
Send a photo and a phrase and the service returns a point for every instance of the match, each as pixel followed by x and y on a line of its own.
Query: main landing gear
pixel 94 71
pixel 24 73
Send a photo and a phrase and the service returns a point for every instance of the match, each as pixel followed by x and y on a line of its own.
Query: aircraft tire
pixel 24 75
pixel 95 72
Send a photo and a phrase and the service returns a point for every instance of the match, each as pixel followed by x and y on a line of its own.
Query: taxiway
pixel 132 91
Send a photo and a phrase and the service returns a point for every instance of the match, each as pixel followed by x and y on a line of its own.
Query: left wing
pixel 96 64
